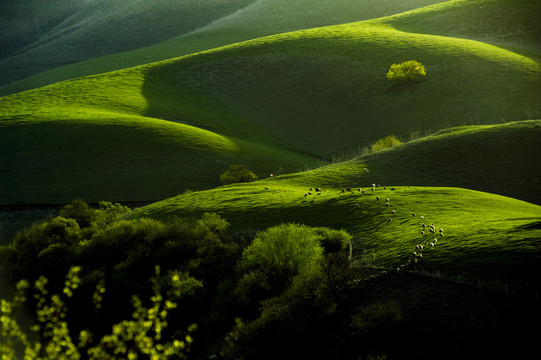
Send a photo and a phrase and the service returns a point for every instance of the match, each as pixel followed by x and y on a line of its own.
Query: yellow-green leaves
pixel 131 339
pixel 406 71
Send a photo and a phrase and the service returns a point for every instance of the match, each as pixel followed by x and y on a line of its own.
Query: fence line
pixel 497 285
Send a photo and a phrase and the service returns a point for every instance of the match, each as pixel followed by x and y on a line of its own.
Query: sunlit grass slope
pixel 485 235
pixel 317 92
pixel 511 24
pixel 95 139
pixel 324 90
pixel 170 20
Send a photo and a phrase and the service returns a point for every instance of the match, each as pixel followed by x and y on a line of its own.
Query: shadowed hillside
pixel 173 21
pixel 37 36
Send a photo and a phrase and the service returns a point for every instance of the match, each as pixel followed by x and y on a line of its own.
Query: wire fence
pixel 507 287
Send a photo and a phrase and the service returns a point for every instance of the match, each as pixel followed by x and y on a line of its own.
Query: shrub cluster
pixel 237 174
pixel 285 288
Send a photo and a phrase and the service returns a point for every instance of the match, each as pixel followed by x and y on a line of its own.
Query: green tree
pixel 238 174
pixel 275 257
pixel 406 71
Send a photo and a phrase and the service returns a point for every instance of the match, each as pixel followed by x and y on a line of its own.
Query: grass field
pixel 188 27
pixel 278 104
pixel 487 236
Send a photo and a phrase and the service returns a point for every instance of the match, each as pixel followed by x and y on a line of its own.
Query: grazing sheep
pixel 424 225
pixel 319 193
pixel 385 187
pixel 266 188
pixel 373 188
pixel 318 189
pixel 422 233
pixel 305 194
pixel 388 199
pixel 357 206
pixel 441 230
pixel 311 189
pixel 387 204
pixel 394 212
pixel 373 185
pixel 422 217
pixel 377 197
pixel 309 193
pixel 413 214
pixel 348 189
pixel 390 219
pixel 432 244
pixel 362 191
pixel 435 241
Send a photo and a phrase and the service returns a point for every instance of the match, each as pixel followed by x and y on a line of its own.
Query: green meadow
pixel 280 103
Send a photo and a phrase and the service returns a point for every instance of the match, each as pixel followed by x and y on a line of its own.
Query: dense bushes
pixel 291 285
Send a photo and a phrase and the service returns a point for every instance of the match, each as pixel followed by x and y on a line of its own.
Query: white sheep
pixel 394 212
pixel 422 217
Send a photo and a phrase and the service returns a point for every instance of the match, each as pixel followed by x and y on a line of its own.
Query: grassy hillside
pixel 92 139
pixel 485 235
pixel 512 24
pixel 324 90
pixel 316 92
pixel 37 36
pixel 171 21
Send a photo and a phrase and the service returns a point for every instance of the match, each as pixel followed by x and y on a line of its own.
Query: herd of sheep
pixel 416 254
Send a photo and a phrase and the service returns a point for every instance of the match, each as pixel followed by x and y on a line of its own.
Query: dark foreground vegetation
pixel 200 290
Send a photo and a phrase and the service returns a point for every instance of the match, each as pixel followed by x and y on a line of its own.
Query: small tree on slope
pixel 406 71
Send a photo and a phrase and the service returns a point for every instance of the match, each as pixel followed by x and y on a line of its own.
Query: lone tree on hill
pixel 237 174
pixel 406 71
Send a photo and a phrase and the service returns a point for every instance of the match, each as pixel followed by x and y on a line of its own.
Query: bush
pixel 385 143
pixel 276 256
pixel 333 241
pixel 53 338
pixel 238 174
pixel 406 71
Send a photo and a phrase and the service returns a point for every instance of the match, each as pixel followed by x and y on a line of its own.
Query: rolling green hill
pixel 256 19
pixel 278 102
pixel 101 145
pixel 485 235
pixel 512 24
